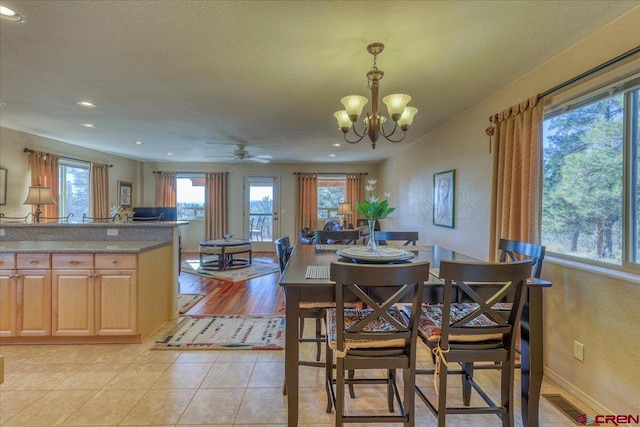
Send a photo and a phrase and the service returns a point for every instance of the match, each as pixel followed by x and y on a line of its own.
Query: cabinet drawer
pixel 116 260
pixel 72 260
pixel 33 261
pixel 7 261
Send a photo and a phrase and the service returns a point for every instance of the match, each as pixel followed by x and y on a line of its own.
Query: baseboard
pixel 577 393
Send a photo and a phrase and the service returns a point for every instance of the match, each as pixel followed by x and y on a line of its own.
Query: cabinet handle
pixel 73 261
pixel 13 276
pixel 33 261
pixel 115 261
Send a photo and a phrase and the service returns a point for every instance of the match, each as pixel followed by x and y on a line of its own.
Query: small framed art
pixel 444 187
pixel 125 191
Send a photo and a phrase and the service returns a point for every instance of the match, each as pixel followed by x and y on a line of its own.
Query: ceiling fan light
pixel 344 122
pixel 396 104
pixel 407 117
pixel 354 105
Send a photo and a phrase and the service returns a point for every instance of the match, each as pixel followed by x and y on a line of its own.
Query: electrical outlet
pixel 578 351
pixel 112 231
pixel 1 231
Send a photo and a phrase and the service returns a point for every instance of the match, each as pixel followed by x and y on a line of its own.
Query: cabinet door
pixel 8 303
pixel 73 302
pixel 116 302
pixel 34 302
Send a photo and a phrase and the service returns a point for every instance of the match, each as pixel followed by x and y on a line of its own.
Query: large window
pixel 190 196
pixel 331 192
pixel 591 184
pixel 74 189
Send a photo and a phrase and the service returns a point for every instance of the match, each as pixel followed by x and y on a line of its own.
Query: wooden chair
pixel 332 237
pixel 513 250
pixel 409 237
pixel 374 338
pixel 475 331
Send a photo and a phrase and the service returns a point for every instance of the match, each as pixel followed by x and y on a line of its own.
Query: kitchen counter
pixel 80 246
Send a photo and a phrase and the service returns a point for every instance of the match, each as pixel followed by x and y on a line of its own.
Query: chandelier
pixel 374 123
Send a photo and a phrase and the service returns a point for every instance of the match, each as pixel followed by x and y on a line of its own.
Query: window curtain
pixel 99 190
pixel 166 189
pixel 355 193
pixel 307 200
pixel 516 197
pixel 44 173
pixel 215 205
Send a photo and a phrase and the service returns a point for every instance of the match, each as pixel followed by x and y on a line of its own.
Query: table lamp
pixel 344 209
pixel 39 196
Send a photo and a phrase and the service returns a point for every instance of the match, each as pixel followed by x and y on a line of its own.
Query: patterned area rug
pixel 256 269
pixel 186 301
pixel 234 332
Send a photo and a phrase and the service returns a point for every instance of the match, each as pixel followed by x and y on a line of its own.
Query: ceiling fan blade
pixel 258 159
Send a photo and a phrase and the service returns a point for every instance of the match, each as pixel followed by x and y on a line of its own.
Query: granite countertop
pixel 80 247
pixel 148 224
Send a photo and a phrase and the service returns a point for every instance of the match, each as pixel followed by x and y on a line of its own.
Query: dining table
pixel 305 279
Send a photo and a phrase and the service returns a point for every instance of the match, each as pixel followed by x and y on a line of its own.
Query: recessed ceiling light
pixel 86 104
pixel 138 142
pixel 332 155
pixel 88 125
pixel 169 154
pixel 9 14
pixel 337 144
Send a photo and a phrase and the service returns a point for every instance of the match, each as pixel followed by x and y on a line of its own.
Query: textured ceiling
pixel 195 77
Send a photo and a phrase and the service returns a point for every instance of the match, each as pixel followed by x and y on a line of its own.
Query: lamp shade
pixel 344 209
pixel 39 196
pixel 344 122
pixel 354 105
pixel 396 103
pixel 407 116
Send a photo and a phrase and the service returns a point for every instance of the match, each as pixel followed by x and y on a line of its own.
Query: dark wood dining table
pixel 299 288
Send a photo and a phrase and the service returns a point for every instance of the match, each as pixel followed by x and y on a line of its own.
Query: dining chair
pixel 157 218
pixel 514 250
pixel 373 338
pixel 307 310
pixel 408 237
pixel 332 237
pixel 476 331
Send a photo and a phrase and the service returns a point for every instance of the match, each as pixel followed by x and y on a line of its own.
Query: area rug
pixel 256 269
pixel 233 332
pixel 186 301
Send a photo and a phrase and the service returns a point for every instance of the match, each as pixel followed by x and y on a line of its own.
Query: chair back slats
pixel 399 282
pixel 409 237
pixel 283 251
pixel 498 281
pixel 86 218
pixel 514 250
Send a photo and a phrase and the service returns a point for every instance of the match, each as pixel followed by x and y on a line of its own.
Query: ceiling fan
pixel 240 153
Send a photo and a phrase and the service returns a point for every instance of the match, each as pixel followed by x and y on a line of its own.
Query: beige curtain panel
pixel 516 199
pixel 166 189
pixel 44 173
pixel 215 205
pixel 99 190
pixel 307 200
pixel 355 193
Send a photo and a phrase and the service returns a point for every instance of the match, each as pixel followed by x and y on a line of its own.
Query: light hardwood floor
pixel 130 384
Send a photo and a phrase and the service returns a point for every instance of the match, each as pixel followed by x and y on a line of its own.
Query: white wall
pixel 194 233
pixel 597 309
pixel 15 160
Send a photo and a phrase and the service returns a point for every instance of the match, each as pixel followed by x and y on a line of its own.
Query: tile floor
pixel 132 385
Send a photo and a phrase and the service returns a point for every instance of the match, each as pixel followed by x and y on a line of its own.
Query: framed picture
pixel 444 187
pixel 125 190
pixel 3 186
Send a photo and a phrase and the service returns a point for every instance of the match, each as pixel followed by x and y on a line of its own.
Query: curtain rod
pixel 192 172
pixel 29 150
pixel 333 173
pixel 592 71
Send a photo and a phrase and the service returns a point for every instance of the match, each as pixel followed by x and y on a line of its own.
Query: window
pixel 331 192
pixel 73 192
pixel 190 196
pixel 591 177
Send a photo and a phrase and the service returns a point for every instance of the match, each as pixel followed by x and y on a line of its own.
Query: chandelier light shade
pixel 401 115
pixel 39 196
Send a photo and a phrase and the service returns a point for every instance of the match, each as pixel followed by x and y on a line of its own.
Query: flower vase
pixel 372 246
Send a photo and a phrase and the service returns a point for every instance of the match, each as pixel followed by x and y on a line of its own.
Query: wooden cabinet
pixel 33 275
pixel 116 294
pixel 8 295
pixel 73 295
